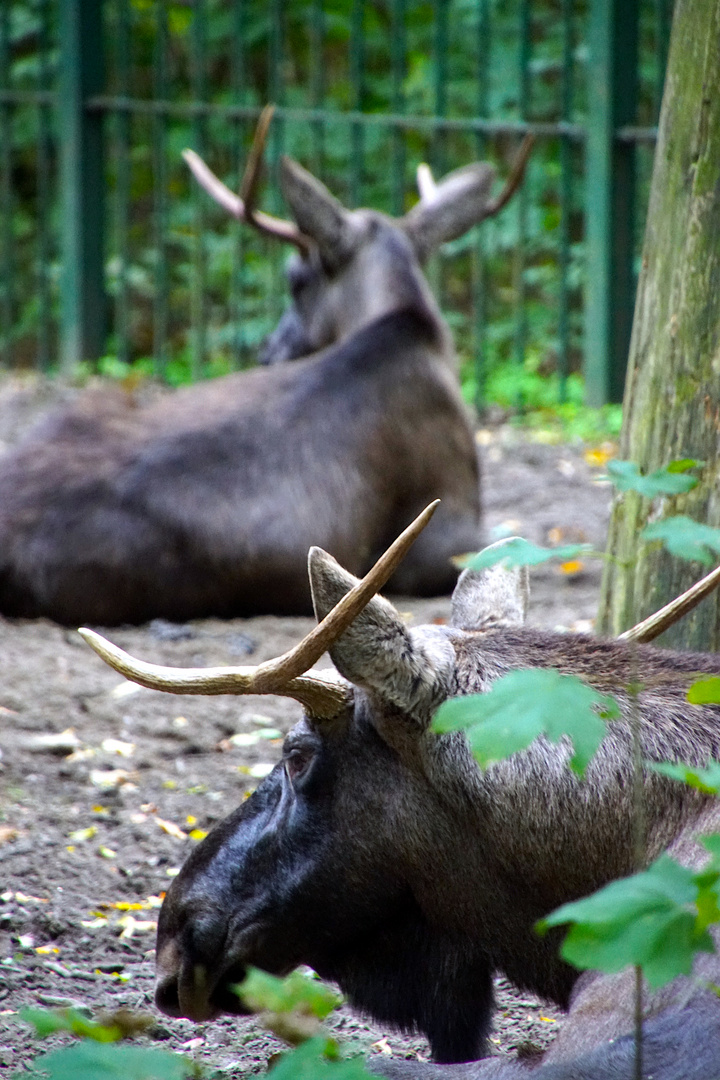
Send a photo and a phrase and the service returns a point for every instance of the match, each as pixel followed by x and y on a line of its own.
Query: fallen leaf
pixel 79 836
pixel 131 925
pixel 171 828
pixel 197 834
pixel 55 742
pixel 117 746
pixel 125 689
pixel 8 833
pixel 572 567
pixel 598 456
pixel 263 768
pixel 110 778
pixel 382 1046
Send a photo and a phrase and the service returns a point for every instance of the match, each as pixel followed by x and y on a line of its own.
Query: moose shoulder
pixel 206 501
pixel 379 853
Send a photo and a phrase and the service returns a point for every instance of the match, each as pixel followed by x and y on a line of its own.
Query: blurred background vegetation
pixel 365 91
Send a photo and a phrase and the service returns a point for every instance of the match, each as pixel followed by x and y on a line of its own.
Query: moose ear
pixel 318 214
pixel 497 596
pixel 448 210
pixel 410 669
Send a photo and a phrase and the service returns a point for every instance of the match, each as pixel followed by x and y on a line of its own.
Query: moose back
pixel 205 502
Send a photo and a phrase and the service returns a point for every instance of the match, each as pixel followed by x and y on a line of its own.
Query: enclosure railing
pixel 107 249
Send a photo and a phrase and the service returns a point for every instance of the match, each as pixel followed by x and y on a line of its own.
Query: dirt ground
pixel 105 787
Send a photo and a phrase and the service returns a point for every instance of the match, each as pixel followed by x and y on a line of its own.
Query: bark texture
pixel 672 394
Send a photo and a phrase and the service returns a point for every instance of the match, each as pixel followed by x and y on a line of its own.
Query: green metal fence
pixel 106 248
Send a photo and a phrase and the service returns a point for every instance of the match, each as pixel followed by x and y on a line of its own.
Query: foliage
pixel 184 280
pixel 292 1008
pixel 705 780
pixel 525 704
pixel 519 552
pixel 705 691
pixel 295 993
pixel 88 1060
pixel 656 919
pixel 96 1054
pixel 318 1059
pixel 685 538
pixel 672 480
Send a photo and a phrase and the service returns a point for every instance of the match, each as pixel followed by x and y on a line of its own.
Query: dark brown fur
pixel 381 855
pixel 205 502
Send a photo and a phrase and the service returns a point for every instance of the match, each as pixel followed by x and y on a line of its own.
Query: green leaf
pixel 524 704
pixel 685 538
pixel 656 919
pixel 519 552
pixel 706 780
pixel 297 992
pixel 681 465
pixel 318 1059
pixel 88 1060
pixel 48 1021
pixel 705 691
pixel 626 476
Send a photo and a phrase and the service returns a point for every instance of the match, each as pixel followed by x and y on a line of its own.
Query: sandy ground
pixel 104 818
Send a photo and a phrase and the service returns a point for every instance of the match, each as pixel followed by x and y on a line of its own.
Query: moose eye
pixel 297 762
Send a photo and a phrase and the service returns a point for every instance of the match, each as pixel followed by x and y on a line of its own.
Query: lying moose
pixel 206 501
pixel 380 854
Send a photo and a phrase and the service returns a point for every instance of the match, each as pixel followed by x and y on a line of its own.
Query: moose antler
pixel 323 697
pixel 514 179
pixel 428 187
pixel 242 206
pixel 654 625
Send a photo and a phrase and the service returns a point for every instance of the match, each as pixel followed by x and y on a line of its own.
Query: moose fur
pixel 380 854
pixel 205 502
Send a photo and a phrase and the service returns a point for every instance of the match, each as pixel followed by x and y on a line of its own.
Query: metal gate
pixel 106 249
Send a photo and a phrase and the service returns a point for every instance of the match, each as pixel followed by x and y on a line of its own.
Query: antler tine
pixel 251 177
pixel 311 648
pixel 322 697
pixel 513 181
pixel 654 625
pixel 242 207
pixel 426 185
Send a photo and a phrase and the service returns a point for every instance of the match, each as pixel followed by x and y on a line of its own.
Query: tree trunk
pixel 672 394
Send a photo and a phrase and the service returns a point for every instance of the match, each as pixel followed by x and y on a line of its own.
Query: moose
pixel 205 501
pixel 380 854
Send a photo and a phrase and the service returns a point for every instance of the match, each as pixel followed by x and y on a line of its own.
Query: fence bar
pixel 397 60
pixel 81 75
pixel 237 298
pixel 122 192
pixel 479 291
pixel 610 190
pixel 565 202
pixel 6 236
pixel 401 121
pixel 357 58
pixel 317 36
pixel 521 322
pixel 44 197
pixel 197 300
pixel 160 194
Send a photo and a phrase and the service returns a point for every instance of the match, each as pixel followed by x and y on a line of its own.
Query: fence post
pixel 83 300
pixel 610 183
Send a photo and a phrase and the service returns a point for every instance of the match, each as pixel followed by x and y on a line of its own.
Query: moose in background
pixel 205 501
pixel 380 854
